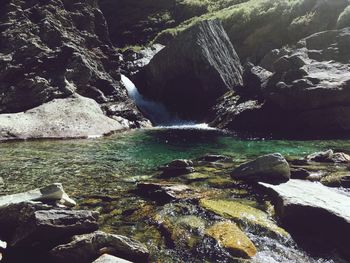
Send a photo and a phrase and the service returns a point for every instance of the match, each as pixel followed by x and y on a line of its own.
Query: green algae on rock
pixel 245 215
pixel 230 237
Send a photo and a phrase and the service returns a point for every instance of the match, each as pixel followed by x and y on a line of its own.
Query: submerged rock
pixel 245 215
pixel 190 73
pixel 177 167
pixel 337 179
pixel 313 211
pixel 271 168
pixel 231 238
pixel 105 258
pixel 50 226
pixel 164 192
pixel 86 248
pixel 52 193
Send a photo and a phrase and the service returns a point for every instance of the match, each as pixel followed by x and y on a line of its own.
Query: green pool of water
pixel 104 165
pixel 93 169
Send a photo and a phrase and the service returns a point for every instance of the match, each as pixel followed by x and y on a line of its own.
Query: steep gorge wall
pixel 55 49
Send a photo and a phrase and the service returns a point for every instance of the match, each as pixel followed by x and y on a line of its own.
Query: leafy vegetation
pixel 257 26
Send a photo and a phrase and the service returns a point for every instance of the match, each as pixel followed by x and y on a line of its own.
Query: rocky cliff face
pixel 58 48
pixel 306 92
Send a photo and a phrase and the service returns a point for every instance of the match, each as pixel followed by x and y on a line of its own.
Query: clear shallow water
pixel 128 156
pixel 99 173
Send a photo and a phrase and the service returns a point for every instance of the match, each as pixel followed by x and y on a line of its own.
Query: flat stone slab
pixel 53 192
pixel 314 214
pixel 313 195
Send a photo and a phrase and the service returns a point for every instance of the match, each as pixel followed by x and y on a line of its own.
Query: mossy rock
pixel 196 176
pixel 255 219
pixel 230 237
pixel 337 179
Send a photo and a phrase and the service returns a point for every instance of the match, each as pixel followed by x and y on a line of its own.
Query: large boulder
pixel 193 71
pixel 74 117
pixel 312 211
pixel 271 168
pixel 86 248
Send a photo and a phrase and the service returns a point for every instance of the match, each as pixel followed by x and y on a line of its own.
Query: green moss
pixel 244 214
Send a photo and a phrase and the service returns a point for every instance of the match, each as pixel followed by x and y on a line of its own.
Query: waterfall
pixel 153 110
pixel 156 111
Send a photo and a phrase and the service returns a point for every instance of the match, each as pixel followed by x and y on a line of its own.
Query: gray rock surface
pixel 51 226
pixel 74 117
pixel 50 193
pixel 191 72
pixel 53 49
pixel 312 210
pixel 86 248
pixel 177 167
pixel 110 259
pixel 271 168
pixel 309 90
pixel 328 156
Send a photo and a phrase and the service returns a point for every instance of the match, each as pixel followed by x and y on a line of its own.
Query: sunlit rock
pixel 231 238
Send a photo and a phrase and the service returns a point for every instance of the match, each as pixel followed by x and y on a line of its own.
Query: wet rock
pixel 212 158
pixel 165 192
pixel 59 118
pixel 313 212
pixel 245 215
pixel 192 177
pixel 52 193
pixel 50 226
pixel 110 259
pixel 272 168
pixel 299 173
pixel 177 167
pixel 85 248
pixel 329 156
pixel 198 67
pixel 231 238
pixel 337 179
pixel 181 231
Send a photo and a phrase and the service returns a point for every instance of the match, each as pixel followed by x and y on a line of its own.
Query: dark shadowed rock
pixel 86 248
pixel 299 173
pixel 271 168
pixel 51 226
pixel 313 213
pixel 193 71
pixel 13 215
pixel 309 90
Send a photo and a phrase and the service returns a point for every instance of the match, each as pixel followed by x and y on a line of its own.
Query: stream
pixel 101 174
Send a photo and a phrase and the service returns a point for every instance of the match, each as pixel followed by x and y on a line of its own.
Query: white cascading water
pixel 157 112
